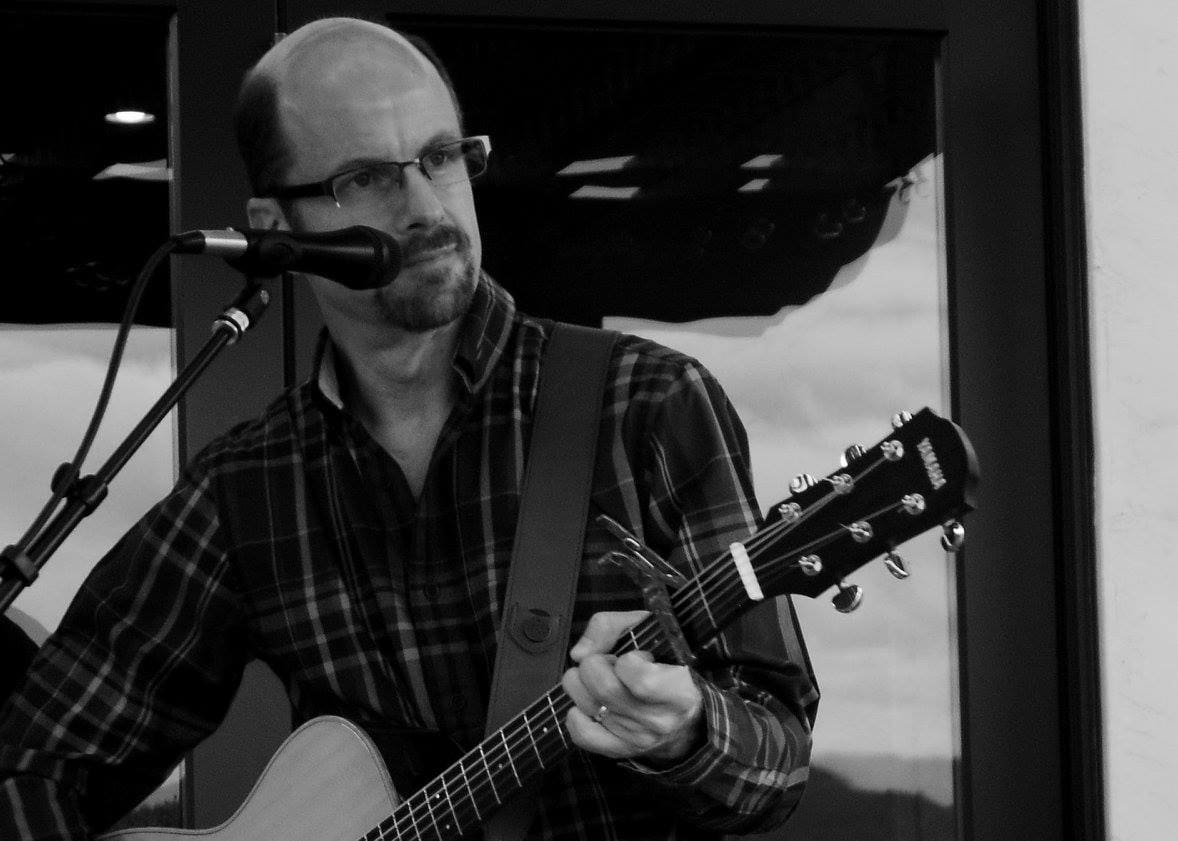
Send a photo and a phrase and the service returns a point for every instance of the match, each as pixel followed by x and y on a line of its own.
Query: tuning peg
pixel 892 450
pixel 954 537
pixel 801 482
pixel 847 598
pixel 900 418
pixel 852 453
pixel 811 564
pixel 841 483
pixel 895 565
pixel 790 512
pixel 913 504
pixel 861 531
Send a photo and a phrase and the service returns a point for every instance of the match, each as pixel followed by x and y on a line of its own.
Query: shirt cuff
pixel 697 765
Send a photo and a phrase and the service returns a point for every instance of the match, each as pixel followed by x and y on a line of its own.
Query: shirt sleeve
pixel 758 689
pixel 142 667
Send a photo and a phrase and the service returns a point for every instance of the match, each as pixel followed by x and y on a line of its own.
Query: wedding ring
pixel 600 714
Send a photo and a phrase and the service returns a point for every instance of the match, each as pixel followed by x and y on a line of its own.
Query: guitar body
pixel 326 782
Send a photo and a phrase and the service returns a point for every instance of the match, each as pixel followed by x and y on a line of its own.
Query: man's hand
pixel 630 706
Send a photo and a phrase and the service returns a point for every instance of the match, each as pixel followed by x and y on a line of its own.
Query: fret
pixel 433 821
pixel 450 803
pixel 510 761
pixel 473 802
pixel 413 820
pixel 637 646
pixel 388 825
pixel 703 598
pixel 532 738
pixel 555 719
pixel 490 775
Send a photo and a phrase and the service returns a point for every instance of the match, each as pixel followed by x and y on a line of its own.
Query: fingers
pixel 629 705
pixel 603 632
pixel 592 723
pixel 593 684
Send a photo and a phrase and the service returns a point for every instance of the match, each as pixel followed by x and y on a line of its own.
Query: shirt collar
pixel 485 330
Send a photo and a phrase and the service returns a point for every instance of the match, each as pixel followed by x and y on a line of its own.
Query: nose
pixel 420 206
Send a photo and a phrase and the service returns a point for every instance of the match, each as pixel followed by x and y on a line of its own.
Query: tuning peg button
pixel 900 418
pixel 848 598
pixel 801 482
pixel 895 565
pixel 954 537
pixel 851 454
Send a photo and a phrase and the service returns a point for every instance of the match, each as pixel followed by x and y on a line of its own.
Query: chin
pixel 437 297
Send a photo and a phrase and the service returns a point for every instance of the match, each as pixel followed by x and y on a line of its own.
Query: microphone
pixel 358 257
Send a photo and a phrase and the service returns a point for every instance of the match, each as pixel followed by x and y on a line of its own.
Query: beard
pixel 434 295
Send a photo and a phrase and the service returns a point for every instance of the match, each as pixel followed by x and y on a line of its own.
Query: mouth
pixel 429 255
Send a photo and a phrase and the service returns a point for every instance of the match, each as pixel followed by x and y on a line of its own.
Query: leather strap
pixel 550 535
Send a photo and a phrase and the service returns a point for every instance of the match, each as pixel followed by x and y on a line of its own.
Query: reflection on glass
pixel 768 203
pixel 83 202
pixel 808 382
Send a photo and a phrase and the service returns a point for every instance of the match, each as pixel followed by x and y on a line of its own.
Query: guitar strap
pixel 550 534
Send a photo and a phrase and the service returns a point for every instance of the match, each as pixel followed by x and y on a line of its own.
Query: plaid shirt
pixel 295 539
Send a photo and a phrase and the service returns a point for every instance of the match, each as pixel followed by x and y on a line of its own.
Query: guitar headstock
pixel 921 476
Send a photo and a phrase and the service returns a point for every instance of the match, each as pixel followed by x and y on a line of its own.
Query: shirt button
pixel 458 701
pixel 431 592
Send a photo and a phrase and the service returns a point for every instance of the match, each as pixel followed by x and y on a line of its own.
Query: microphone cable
pixel 66 475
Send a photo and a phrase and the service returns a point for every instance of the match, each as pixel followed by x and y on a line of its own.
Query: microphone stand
pixel 19 565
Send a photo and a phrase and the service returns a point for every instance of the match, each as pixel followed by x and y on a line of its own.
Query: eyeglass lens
pixel 448 164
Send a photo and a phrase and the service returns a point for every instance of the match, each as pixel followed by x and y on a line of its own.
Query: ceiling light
pixel 594 191
pixel 598 165
pixel 763 162
pixel 754 185
pixel 130 118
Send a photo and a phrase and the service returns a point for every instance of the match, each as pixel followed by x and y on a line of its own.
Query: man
pixel 357 536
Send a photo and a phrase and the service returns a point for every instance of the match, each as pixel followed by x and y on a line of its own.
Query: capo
pixel 651 574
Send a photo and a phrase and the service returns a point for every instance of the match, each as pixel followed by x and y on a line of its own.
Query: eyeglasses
pixel 375 184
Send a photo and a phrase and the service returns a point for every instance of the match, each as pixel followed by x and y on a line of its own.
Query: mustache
pixel 439 237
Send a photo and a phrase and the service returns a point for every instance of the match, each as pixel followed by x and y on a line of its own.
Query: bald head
pixel 325 55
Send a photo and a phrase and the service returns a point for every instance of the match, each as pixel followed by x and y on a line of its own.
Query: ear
pixel 266 214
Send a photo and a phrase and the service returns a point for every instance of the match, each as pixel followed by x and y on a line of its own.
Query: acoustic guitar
pixel 327 781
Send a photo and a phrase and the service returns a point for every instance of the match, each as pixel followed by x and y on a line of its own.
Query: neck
pixel 396 370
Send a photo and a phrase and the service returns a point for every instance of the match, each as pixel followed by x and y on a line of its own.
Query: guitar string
pixel 524 735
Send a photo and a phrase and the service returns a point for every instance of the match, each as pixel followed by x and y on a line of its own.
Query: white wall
pixel 1130 66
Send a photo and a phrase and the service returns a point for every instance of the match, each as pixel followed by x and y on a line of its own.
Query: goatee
pixel 435 296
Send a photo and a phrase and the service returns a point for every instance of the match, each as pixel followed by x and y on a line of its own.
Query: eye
pixel 441 157
pixel 367 179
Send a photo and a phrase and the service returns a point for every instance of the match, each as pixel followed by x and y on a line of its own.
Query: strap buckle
pixel 651 574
